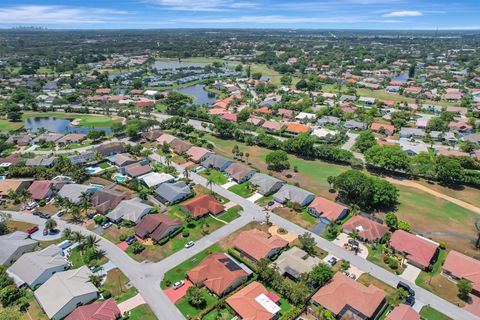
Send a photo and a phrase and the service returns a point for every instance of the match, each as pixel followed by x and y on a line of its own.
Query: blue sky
pixel 330 14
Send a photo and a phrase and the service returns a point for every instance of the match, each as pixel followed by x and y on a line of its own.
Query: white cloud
pixel 39 14
pixel 405 13
pixel 275 19
pixel 203 5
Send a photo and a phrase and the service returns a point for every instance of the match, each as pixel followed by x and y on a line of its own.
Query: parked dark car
pixel 36 213
pixel 410 301
pixel 91 215
pixel 45 216
pixel 130 240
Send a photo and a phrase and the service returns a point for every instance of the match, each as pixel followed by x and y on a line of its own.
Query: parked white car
pixel 178 284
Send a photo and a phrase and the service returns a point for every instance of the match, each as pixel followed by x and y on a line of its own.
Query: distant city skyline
pixel 305 14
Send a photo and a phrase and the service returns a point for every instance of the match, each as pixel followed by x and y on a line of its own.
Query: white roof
pixel 267 304
pixel 154 178
pixel 29 267
pixel 306 115
pixel 62 287
pixel 131 210
pixel 150 92
pixel 11 242
pixel 323 132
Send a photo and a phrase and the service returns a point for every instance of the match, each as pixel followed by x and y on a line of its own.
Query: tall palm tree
pixel 67 233
pixel 91 241
pixel 84 200
pixel 76 214
pixel 186 173
pixel 477 227
pixel 210 183
pixel 247 155
pixel 24 195
pixel 77 237
pixel 14 196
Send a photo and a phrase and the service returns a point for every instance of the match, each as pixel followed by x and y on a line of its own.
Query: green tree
pixel 195 297
pixel 277 160
pixel 391 158
pixel 50 224
pixel 365 141
pixel 449 170
pixel 391 220
pixel 307 243
pixel 464 288
pixel 320 275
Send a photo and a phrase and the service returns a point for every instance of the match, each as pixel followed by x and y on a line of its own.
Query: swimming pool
pixel 91 171
pixel 120 178
pixel 96 186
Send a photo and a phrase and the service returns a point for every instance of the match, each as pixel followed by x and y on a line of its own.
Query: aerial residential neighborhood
pixel 204 166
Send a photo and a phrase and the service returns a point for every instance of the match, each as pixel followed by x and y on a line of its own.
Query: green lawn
pixel 6 125
pixel 142 312
pixel 178 273
pixel 77 259
pixel 77 145
pixel 116 284
pixel 190 311
pixel 85 120
pixel 428 313
pixel 216 176
pixel 220 314
pixel 231 214
pixel 243 189
pixel 104 165
pixel 438 284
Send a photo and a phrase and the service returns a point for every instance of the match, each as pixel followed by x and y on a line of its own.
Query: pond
pixel 201 95
pixel 174 64
pixel 53 124
pixel 402 77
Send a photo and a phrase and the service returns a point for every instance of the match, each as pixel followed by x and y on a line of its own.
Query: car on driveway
pixel 30 206
pixel 189 244
pixel 178 284
pixel 107 225
pixel 32 230
pixel 332 261
pixel 410 301
pixel 45 232
pixel 130 240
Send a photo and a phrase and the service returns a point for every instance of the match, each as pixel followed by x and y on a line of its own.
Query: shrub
pixel 42 203
pixel 185 233
pixel 122 237
pixel 99 219
pixel 442 245
pixel 137 247
pixel 106 294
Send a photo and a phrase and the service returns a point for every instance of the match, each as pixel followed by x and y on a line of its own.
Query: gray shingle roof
pixel 131 210
pixel 264 183
pixel 12 242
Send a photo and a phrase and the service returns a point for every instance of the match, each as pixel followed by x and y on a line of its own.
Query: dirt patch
pixel 18 225
pixel 113 233
pixel 294 216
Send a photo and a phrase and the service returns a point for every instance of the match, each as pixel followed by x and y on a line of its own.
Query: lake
pixel 402 77
pixel 59 125
pixel 201 95
pixel 174 64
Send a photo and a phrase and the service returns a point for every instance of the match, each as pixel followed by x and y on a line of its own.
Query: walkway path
pixel 413 184
pixel 131 303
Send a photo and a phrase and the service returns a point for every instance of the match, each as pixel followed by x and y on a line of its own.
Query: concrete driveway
pixel 356 271
pixel 254 197
pixel 410 273
pixel 131 303
pixel 49 237
pixel 228 184
pixel 342 239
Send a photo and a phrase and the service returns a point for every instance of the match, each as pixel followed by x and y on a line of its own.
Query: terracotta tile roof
pixel 106 310
pixel 217 111
pixel 142 104
pixel 272 125
pixel 155 225
pixel 202 205
pixel 416 249
pixel 166 138
pixel 137 169
pixel 328 209
pixel 217 272
pixel 403 312
pixel 102 91
pixel 179 146
pixel 196 154
pixel 258 244
pixel 229 117
pixel 245 304
pixel 297 127
pixel 342 291
pixel 264 110
pixel 378 127
pixel 463 267
pixel 366 228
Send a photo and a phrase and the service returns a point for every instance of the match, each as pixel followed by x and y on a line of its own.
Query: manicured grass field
pixel 428 313
pixel 438 284
pixel 142 312
pixel 6 125
pixel 85 120
pixel 231 214
pixel 115 283
pixel 242 190
pixel 216 176
pixel 178 273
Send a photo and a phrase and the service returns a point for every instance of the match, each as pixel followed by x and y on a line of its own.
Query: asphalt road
pixel 146 277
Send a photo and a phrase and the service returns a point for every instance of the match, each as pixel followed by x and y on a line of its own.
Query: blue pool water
pixel 120 178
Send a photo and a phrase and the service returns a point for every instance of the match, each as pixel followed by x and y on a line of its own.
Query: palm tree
pixel 77 237
pixel 76 214
pixel 24 195
pixel 247 155
pixel 14 196
pixel 84 200
pixel 186 173
pixel 67 233
pixel 96 280
pixel 50 224
pixel 210 183
pixel 91 241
